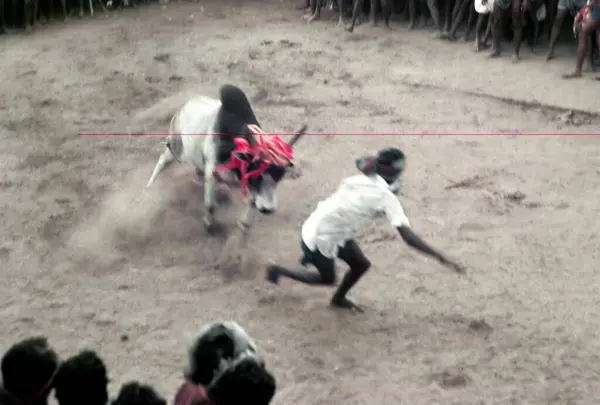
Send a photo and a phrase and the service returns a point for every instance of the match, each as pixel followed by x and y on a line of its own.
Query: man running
pixel 330 230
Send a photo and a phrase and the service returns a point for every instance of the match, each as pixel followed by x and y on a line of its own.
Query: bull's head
pixel 263 188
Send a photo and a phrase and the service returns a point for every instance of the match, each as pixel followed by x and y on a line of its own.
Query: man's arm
pixel 413 240
pixel 398 219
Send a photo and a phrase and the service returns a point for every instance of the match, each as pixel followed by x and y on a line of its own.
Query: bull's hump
pixel 236 103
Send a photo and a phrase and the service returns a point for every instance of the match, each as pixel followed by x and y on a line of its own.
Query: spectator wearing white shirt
pixel 329 232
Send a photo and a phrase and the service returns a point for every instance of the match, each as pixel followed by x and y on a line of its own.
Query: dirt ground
pixel 91 259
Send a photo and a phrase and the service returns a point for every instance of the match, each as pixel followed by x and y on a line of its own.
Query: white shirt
pixel 357 201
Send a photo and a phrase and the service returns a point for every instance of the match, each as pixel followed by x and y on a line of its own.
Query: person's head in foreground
pixel 243 381
pixel 389 163
pixel 82 379
pixel 28 370
pixel 218 344
pixel 134 393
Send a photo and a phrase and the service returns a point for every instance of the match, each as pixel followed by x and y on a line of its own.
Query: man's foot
pixel 273 274
pixel 345 303
pixel 572 75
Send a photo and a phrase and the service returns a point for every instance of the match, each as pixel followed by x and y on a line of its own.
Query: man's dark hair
pixel 28 369
pixel 134 393
pixel 82 379
pixel 389 156
pixel 245 381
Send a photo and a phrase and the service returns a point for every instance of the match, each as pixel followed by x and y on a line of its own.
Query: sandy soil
pixel 92 260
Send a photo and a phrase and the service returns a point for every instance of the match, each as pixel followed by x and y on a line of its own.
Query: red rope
pixel 269 150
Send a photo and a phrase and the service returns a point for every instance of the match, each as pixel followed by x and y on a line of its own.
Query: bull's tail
pixel 165 159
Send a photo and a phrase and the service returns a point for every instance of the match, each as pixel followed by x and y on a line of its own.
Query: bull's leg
pixel 163 161
pixel 80 8
pixel 247 218
pixel 209 196
pixel 356 8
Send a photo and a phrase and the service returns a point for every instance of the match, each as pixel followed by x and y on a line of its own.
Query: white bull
pixel 231 115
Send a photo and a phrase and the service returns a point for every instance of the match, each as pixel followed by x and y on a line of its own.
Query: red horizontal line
pixel 116 134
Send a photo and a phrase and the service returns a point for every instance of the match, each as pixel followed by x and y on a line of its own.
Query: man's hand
pixel 453 266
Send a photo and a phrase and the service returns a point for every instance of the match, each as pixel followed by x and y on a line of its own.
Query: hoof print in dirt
pixel 480 325
pixel 5 252
pixel 515 196
pixel 288 44
pixel 450 380
pixel 474 182
pixel 162 57
pixel 420 290
pixel 268 299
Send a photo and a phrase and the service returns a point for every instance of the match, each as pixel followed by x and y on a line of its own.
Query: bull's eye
pixel 255 182
pixel 276 173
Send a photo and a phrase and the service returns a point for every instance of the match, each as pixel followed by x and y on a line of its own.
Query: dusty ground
pixel 90 259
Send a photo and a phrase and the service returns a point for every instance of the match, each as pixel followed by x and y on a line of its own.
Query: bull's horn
pixel 298 134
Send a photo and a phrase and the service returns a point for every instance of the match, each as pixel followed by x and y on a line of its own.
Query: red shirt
pixel 191 394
